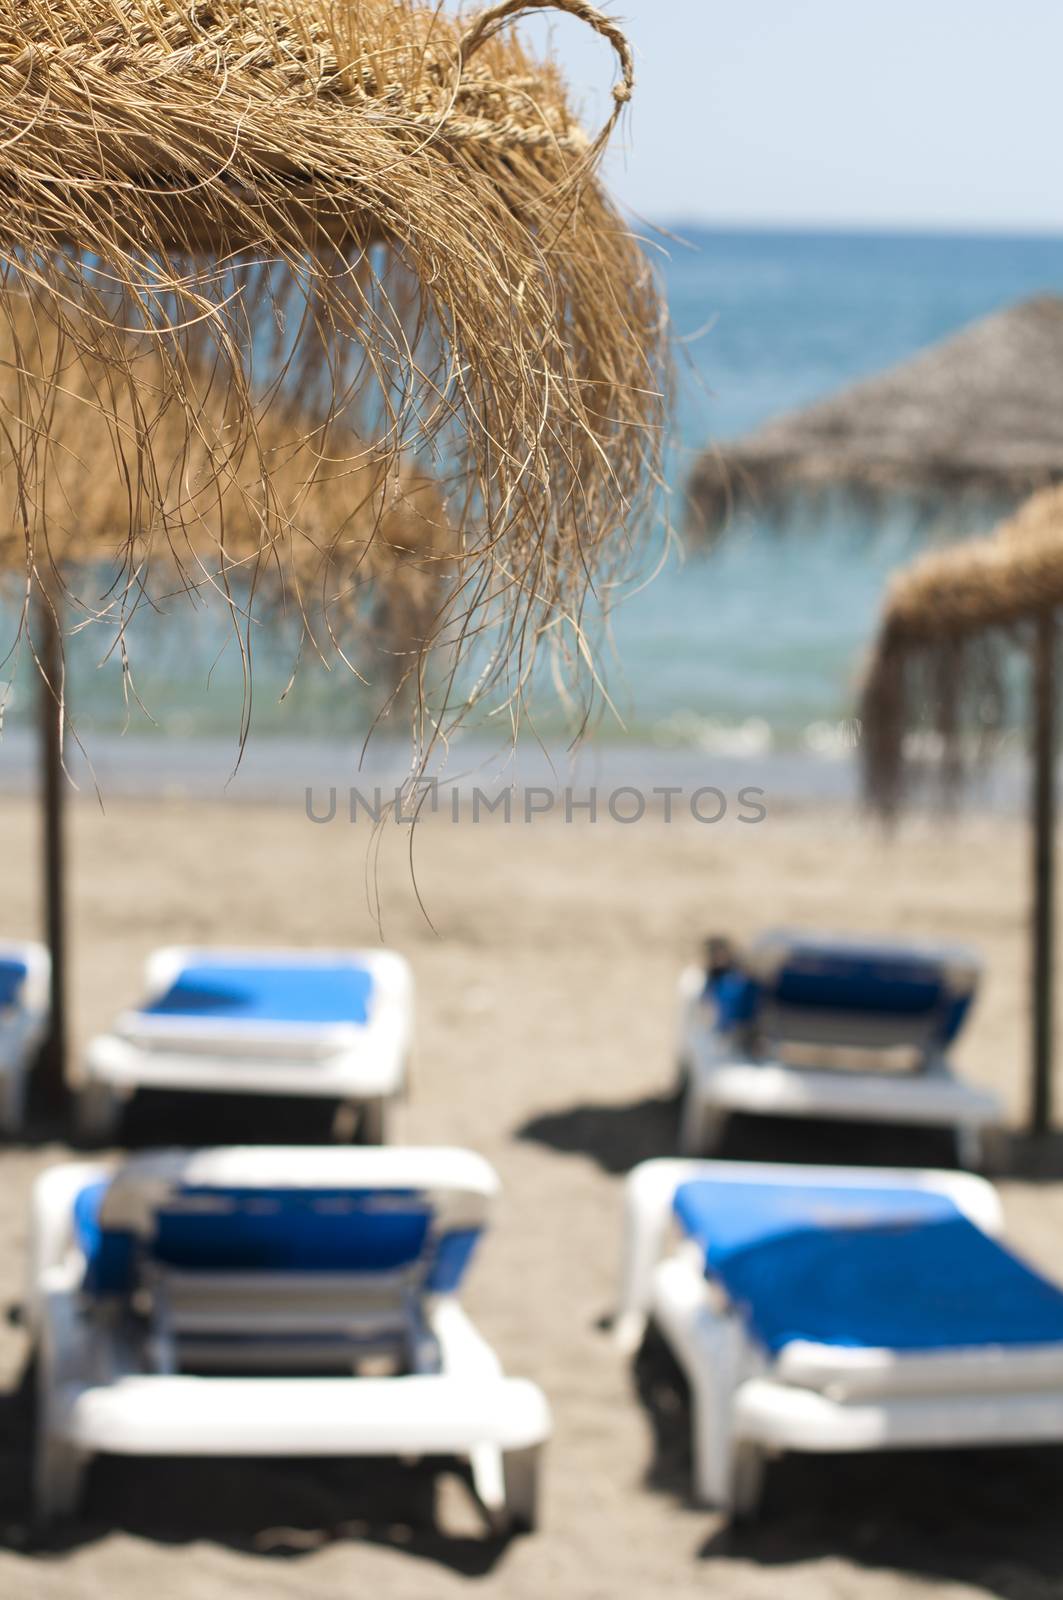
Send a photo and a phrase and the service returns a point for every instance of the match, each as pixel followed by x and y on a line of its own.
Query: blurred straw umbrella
pixel 367 548
pixel 940 661
pixel 364 211
pixel 979 414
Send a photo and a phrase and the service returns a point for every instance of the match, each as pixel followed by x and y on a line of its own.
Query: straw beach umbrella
pixel 403 202
pixel 979 414
pixel 364 212
pixel 370 568
pixel 940 659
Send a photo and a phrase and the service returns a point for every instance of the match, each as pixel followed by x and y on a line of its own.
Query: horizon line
pixel 927 230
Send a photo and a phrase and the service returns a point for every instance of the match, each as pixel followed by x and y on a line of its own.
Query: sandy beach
pixel 565 398
pixel 545 1003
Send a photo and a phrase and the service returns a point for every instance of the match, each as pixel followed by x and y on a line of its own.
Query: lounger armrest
pixel 648 1195
pixel 63 1338
pixel 51 1226
pixel 464 1352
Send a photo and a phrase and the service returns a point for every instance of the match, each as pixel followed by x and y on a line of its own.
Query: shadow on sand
pixel 620 1136
pixel 279 1508
pixel 1035 1158
pixel 988 1518
pixel 157 1117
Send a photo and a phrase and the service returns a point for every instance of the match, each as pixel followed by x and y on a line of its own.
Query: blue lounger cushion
pixel 850 978
pixel 12 976
pixel 896 1269
pixel 326 993
pixel 287 1230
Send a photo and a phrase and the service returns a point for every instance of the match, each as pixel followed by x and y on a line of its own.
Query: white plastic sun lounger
pixel 830 1309
pixel 227 1301
pixel 25 970
pixel 829 1026
pixel 329 1023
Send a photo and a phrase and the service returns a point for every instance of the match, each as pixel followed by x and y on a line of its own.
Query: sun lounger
pixel 24 975
pixel 834 1310
pixel 242 1301
pixel 330 1023
pixel 807 1025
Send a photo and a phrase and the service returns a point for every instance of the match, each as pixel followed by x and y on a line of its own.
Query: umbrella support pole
pixel 1044 828
pixel 52 1063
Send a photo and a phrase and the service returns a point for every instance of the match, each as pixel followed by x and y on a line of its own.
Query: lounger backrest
pixel 25 969
pixel 12 978
pixel 352 1230
pixel 310 1231
pixel 804 990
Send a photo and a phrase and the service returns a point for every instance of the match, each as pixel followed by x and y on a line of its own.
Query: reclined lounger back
pixel 269 1257
pixel 810 990
pixel 13 970
pixel 24 1006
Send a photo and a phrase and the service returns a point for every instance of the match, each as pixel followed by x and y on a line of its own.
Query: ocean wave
pixel 829 740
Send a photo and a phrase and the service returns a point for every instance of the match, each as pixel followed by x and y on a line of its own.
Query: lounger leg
pixel 701 1126
pixel 507 1486
pixel 12 1098
pixel 521 1468
pixel 373 1121
pixel 709 1349
pixel 728 1471
pixel 489 1484
pixel 713 1448
pixel 682 1075
pixel 97 1113
pixel 969 1151
pixel 58 1478
pixel 747 1479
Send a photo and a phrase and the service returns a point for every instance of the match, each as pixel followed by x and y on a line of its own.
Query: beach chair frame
pixel 718 1075
pixel 747 1406
pixel 361 1065
pixel 23 1027
pixel 95 1395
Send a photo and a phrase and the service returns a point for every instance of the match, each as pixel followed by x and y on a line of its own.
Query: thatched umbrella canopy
pixel 362 210
pixel 980 413
pixel 950 625
pixel 360 544
pixel 350 531
pixel 385 211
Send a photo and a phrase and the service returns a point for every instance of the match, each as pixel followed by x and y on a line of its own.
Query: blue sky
pixel 927 113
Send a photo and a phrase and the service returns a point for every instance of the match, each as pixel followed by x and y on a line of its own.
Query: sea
pixel 749 650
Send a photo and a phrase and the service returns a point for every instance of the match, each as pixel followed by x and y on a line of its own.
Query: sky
pixel 920 113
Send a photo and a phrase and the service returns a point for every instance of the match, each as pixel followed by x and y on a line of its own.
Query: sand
pixel 545 1005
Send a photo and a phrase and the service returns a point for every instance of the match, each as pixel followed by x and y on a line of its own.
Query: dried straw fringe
pixel 942 655
pixel 353 225
pixel 365 526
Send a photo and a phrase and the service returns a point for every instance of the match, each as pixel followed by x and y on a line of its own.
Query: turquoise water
pixel 762 641
pixel 755 646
